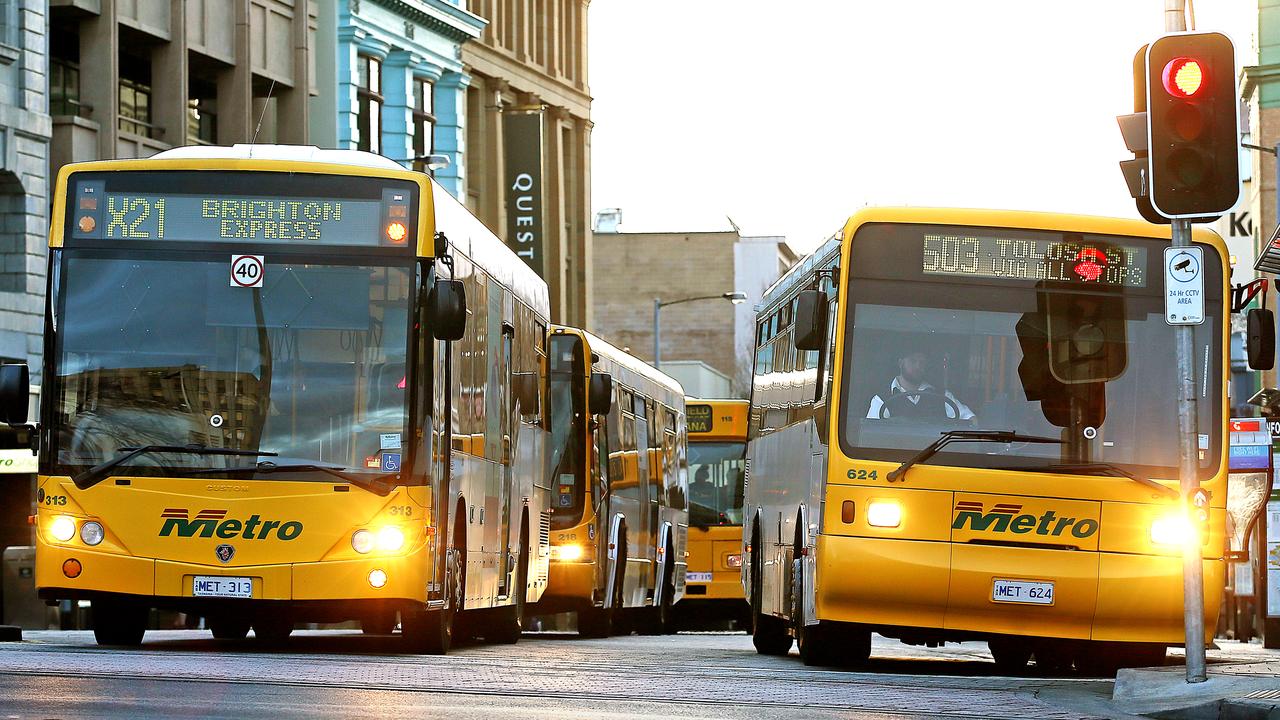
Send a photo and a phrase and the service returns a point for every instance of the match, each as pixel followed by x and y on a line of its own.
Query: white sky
pixel 788 116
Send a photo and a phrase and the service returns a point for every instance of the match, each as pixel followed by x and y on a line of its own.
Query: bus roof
pixel 294 153
pixel 624 360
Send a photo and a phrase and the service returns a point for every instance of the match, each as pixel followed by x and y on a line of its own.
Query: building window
pixel 64 87
pixel 369 94
pixel 424 123
pixel 135 107
pixel 202 122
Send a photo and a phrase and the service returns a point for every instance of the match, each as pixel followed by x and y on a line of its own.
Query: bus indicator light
pixel 72 568
pixel 397 233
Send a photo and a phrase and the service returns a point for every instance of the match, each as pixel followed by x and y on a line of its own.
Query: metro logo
pixel 211 523
pixel 1006 518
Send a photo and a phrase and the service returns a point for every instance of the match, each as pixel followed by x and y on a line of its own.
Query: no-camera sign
pixel 247 271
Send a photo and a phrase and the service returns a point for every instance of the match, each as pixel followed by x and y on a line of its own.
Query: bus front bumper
pixel 949 587
pixel 169 583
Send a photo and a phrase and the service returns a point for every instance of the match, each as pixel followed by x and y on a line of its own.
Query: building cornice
pixel 438 16
pixel 1253 76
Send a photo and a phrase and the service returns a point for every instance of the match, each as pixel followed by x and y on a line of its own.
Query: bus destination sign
pixel 103 215
pixel 1070 261
pixel 699 418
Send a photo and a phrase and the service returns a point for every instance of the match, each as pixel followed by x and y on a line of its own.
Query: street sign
pixel 1183 285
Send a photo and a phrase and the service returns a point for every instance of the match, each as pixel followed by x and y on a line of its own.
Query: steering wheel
pixel 903 397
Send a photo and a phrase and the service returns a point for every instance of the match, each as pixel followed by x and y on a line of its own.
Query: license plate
pixel 1027 592
pixel 697 577
pixel 234 587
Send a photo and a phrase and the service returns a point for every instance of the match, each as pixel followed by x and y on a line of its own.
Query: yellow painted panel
pixel 571 581
pixel 406 578
pixel 271 582
pixel 1126 528
pixel 925 513
pixel 722 419
pixel 881 581
pixel 1140 598
pixel 975 567
pixel 100 571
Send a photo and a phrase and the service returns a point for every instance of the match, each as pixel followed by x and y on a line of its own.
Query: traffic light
pixel 1192 125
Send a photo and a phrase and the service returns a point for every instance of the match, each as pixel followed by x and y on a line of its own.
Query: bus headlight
pixel 390 539
pixel 733 561
pixel 884 513
pixel 567 553
pixel 1173 530
pixel 377 578
pixel 62 528
pixel 362 541
pixel 91 533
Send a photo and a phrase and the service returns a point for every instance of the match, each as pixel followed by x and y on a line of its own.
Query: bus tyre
pixel 378 622
pixel 1105 659
pixel 273 630
pixel 509 623
pixel 596 622
pixel 430 632
pixel 661 618
pixel 115 624
pixel 1011 654
pixel 228 628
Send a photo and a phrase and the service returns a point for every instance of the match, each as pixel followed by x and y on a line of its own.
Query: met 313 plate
pixel 233 587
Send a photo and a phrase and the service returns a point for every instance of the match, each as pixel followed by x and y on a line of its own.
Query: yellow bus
pixel 618 474
pixel 964 427
pixel 717 464
pixel 284 385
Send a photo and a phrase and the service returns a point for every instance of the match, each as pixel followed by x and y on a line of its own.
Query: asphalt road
pixel 342 674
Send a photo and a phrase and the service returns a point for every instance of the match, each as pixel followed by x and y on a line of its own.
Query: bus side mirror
pixel 526 389
pixel 1261 339
pixel 15 391
pixel 600 396
pixel 447 309
pixel 811 320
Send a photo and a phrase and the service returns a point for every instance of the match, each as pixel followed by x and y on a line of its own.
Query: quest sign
pixel 522 136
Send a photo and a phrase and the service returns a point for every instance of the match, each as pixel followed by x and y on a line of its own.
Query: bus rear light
pixel 884 513
pixel 733 561
pixel 72 568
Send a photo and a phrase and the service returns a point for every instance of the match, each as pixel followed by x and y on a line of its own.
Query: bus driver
pixel 911 396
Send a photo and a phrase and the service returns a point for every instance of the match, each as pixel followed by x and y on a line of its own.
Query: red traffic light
pixel 1183 77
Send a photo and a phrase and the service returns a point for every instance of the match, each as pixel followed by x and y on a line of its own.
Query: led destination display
pixel 101 214
pixel 1035 259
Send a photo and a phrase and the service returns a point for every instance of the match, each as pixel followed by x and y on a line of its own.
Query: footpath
pixel 1243 684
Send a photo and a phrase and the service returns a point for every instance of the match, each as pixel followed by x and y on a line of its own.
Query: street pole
pixel 657 334
pixel 1175 20
pixel 1188 466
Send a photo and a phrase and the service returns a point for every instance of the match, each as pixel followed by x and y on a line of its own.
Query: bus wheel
pixel 115 624
pixel 430 632
pixel 378 622
pixel 273 630
pixel 1105 659
pixel 1011 654
pixel 1054 657
pixel 769 634
pixel 509 624
pixel 596 622
pixel 228 628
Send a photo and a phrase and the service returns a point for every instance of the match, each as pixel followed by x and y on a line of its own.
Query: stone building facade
pixel 532 58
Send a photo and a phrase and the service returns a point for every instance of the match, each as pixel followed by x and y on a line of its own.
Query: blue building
pixel 390 80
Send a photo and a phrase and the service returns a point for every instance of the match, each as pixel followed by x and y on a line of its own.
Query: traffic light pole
pixel 1189 460
pixel 1189 463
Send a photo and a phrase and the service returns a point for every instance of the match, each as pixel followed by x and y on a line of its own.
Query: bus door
pixel 641 548
pixel 507 459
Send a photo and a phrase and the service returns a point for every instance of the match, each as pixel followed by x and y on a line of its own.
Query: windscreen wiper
pixel 99 472
pixel 374 484
pixel 1101 468
pixel 952 436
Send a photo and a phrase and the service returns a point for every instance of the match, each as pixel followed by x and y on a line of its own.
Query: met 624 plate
pixel 1027 592
pixel 232 587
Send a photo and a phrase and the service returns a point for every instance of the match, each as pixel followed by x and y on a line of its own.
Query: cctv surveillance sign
pixel 1184 285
